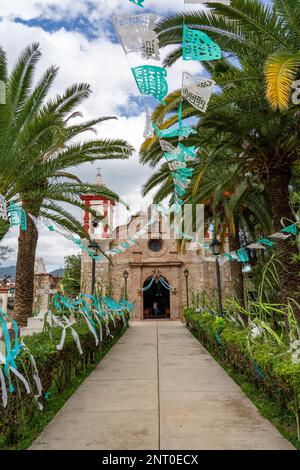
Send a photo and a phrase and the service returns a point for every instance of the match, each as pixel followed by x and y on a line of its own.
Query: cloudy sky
pixel 77 35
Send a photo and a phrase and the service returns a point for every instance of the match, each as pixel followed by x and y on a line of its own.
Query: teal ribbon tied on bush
pixel 94 304
pixel 218 337
pixel 114 306
pixel 151 80
pixel 128 305
pixel 198 46
pixel 259 372
pixel 79 305
pixel 11 353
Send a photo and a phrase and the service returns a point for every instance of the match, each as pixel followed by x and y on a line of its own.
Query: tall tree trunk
pixel 288 269
pixel 25 273
pixel 237 278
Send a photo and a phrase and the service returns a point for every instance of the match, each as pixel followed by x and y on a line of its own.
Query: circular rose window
pixel 155 245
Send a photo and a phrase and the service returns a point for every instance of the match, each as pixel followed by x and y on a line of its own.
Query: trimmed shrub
pixel 265 364
pixel 56 369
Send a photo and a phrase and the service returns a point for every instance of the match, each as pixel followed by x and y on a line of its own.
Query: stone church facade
pixel 156 255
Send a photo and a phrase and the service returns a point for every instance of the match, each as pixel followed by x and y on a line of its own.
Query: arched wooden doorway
pixel 156 300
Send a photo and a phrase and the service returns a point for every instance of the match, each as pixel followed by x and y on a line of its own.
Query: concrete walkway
pixel 159 389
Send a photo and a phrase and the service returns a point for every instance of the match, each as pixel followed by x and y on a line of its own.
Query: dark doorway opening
pixel 156 300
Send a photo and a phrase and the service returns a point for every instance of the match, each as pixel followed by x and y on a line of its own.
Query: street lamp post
pixel 186 275
pixel 216 246
pixel 125 275
pixel 94 246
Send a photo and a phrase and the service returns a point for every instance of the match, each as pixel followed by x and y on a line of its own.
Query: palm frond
pixel 281 69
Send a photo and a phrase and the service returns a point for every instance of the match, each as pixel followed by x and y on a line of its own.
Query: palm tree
pixel 240 203
pixel 269 31
pixel 37 150
pixel 265 143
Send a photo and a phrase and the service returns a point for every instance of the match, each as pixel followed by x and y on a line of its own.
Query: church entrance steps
pixel 158 388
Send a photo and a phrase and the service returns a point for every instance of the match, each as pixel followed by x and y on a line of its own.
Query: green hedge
pixel 265 364
pixel 56 369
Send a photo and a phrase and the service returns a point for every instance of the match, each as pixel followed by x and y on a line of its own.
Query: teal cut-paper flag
pixel 293 229
pixel 151 80
pixel 227 255
pixel 243 255
pixel 187 153
pixel 139 3
pixel 183 131
pixel 265 241
pixel 198 46
pixel 23 220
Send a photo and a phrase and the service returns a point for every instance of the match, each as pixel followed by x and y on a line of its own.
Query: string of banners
pixel 95 311
pixel 8 359
pixel 241 255
pixel 138 36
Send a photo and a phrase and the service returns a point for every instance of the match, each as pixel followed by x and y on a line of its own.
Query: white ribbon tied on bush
pixel 65 325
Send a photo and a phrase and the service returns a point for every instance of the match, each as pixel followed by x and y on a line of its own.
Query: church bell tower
pixel 98 226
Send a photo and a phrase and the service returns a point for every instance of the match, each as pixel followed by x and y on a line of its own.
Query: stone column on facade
pixel 136 284
pixel 179 293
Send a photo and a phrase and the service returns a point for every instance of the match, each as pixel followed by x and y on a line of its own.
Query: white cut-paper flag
pixel 197 90
pixel 3 208
pixel 148 131
pixel 137 34
pixel 256 246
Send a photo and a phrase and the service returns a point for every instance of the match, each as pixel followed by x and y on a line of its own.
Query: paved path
pixel 159 389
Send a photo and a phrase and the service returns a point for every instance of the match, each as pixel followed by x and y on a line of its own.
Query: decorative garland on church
pixel 156 277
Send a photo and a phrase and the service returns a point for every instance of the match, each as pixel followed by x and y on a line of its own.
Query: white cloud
pixel 101 63
pixel 56 8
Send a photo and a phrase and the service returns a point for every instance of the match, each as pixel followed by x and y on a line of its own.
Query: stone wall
pixel 45 286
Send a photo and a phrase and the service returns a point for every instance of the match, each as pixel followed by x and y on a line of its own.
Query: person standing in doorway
pixel 155 308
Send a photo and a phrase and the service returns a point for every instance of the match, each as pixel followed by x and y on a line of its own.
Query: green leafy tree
pixel 72 274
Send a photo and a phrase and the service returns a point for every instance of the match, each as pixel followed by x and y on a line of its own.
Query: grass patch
pixel 31 429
